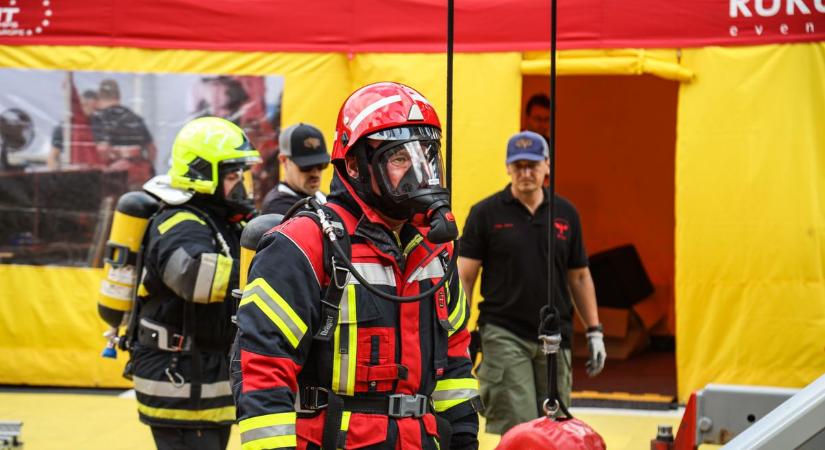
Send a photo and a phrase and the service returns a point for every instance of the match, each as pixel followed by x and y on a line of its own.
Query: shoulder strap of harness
pixel 338 274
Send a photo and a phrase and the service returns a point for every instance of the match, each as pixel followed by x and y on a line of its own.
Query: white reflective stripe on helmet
pixel 371 109
pixel 418 97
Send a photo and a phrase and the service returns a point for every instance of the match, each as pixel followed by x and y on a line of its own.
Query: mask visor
pixel 411 167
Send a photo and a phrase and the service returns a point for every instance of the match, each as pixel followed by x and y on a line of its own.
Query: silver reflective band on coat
pixel 374 274
pixel 167 389
pixel 433 269
pixel 206 274
pixel 180 273
pixel 454 394
pixel 266 432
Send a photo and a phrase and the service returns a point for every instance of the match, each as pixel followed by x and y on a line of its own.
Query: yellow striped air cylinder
pixel 250 238
pixel 119 273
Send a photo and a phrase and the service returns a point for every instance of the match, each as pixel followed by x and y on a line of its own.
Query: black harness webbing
pixel 338 274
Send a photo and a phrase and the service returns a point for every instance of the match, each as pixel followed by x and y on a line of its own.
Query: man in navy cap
pixel 303 156
pixel 507 234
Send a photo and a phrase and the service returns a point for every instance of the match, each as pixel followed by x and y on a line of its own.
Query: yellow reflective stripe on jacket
pixel 459 312
pixel 451 392
pixel 178 218
pixel 343 364
pixel 222 414
pixel 276 308
pixel 344 427
pixel 223 269
pixel 213 278
pixel 269 431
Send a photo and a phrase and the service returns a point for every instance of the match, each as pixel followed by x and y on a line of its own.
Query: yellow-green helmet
pixel 201 146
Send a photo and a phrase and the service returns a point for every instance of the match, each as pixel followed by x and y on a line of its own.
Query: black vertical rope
pixel 449 128
pixel 554 320
pixel 552 145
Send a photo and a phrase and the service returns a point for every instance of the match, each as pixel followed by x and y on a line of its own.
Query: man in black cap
pixel 303 155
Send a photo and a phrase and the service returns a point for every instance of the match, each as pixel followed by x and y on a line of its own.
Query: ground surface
pixel 59 419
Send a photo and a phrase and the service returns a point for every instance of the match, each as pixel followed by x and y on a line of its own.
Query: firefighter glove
pixel 595 343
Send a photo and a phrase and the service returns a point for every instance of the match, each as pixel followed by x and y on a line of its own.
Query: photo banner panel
pixel 59 183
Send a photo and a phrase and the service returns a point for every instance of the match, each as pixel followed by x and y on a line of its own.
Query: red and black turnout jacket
pixel 379 347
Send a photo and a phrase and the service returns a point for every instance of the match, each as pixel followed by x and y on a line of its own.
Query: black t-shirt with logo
pixel 512 245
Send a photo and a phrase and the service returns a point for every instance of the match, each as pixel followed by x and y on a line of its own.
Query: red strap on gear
pixel 548 434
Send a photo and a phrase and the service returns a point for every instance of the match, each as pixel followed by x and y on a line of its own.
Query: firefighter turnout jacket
pixel 183 324
pixel 402 370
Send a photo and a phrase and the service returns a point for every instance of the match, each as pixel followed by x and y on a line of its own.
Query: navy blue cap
pixel 528 146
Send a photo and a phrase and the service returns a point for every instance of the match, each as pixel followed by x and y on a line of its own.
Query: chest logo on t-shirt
pixel 562 227
pixel 501 226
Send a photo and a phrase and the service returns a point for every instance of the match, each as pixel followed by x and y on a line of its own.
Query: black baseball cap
pixel 304 145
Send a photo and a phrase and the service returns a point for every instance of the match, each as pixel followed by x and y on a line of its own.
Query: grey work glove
pixel 595 343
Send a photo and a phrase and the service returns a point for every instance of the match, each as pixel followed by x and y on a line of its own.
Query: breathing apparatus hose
pixel 329 232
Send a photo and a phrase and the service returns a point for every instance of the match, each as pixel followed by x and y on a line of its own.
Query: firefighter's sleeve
pixel 191 264
pixel 275 317
pixel 456 394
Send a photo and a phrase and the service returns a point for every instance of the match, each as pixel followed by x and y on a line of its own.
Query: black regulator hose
pixel 329 232
pixel 395 298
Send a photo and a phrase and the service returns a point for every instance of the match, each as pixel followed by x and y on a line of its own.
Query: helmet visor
pixel 410 167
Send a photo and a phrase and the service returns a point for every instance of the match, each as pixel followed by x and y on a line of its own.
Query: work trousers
pixel 513 378
pixel 167 438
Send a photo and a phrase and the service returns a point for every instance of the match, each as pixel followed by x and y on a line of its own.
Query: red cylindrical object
pixel 549 434
pixel 664 438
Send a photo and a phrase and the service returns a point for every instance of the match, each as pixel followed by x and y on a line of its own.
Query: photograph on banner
pixel 72 142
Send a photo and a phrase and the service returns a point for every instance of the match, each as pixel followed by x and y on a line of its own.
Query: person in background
pixel 304 157
pixel 537 114
pixel 122 139
pixel 507 235
pixel 89 107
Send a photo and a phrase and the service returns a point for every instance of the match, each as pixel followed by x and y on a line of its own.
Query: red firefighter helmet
pixel 377 107
pixel 549 434
pixel 395 135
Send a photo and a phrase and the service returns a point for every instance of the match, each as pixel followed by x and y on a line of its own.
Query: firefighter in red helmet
pixel 352 329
